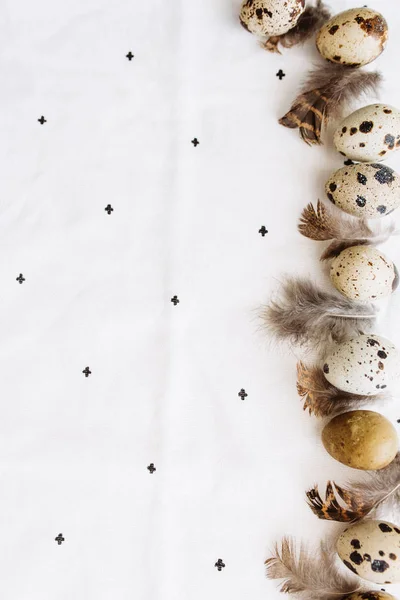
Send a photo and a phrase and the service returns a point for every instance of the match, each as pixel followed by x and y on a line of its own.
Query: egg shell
pixel 370 595
pixel 367 191
pixel 354 37
pixel 361 439
pixel 369 134
pixel 364 274
pixel 365 365
pixel 270 17
pixel 371 549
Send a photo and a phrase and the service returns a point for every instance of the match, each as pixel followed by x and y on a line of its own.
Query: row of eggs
pixel 368 364
pixel 352 38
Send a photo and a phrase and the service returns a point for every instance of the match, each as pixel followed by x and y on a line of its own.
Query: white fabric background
pixel 74 451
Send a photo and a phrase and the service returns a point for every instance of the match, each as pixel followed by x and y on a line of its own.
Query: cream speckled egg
pixel 270 17
pixel 364 274
pixel 370 595
pixel 354 37
pixel 371 549
pixel 369 134
pixel 365 365
pixel 365 190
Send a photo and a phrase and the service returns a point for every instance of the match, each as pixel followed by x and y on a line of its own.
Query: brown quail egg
pixel 354 37
pixel 369 134
pixel 371 549
pixel 361 439
pixel 365 190
pixel 366 365
pixel 364 274
pixel 270 17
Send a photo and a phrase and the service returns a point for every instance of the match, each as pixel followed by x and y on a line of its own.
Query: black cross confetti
pixel 175 300
pixel 195 142
pixel 219 564
pixel 87 372
pixel 280 74
pixel 59 539
pixel 109 209
pixel 151 468
pixel 20 278
pixel 129 56
pixel 42 120
pixel 242 394
pixel 263 231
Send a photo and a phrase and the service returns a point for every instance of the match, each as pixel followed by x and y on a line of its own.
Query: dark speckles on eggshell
pixel 382 354
pixel 356 558
pixel 389 141
pixel 392 556
pixel 379 566
pixel 333 187
pixel 356 544
pixel 333 29
pixel 259 13
pixel 385 527
pixel 366 126
pixel 387 111
pixel 361 201
pixel 384 174
pixel 381 209
pixel 362 179
pixel 326 368
pixel 353 130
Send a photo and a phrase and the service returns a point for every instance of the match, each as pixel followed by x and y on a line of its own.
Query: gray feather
pixel 306 315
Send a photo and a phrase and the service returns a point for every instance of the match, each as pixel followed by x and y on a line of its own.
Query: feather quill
pixel 307 315
pixel 322 224
pixel 359 499
pixel 322 95
pixel 309 22
pixel 323 399
pixel 313 575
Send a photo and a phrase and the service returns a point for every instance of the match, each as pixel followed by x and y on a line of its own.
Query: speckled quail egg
pixel 364 274
pixel 371 595
pixel 270 17
pixel 361 439
pixel 365 190
pixel 367 364
pixel 371 549
pixel 354 37
pixel 369 134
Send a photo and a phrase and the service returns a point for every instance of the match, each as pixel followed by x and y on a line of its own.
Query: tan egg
pixel 367 191
pixel 361 439
pixel 364 365
pixel 370 595
pixel 354 37
pixel 270 17
pixel 369 134
pixel 364 274
pixel 371 549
